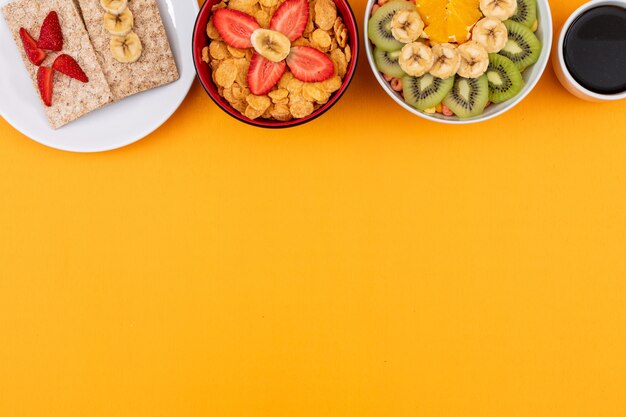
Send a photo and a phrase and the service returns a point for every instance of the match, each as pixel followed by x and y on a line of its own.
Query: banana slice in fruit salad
pixel 416 59
pixel 490 33
pixel 447 60
pixel 272 45
pixel 126 49
pixel 119 24
pixel 474 60
pixel 406 25
pixel 114 6
pixel 498 9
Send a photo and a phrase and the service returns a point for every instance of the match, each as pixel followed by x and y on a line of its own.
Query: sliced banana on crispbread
pixel 114 6
pixel 119 24
pixel 118 20
pixel 126 49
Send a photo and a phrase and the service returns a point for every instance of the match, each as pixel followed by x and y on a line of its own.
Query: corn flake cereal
pixel 205 54
pixel 263 17
pixel 299 107
pixel 236 52
pixel 290 98
pixel 259 103
pixel 279 94
pixel 218 50
pixel 339 59
pixel 325 14
pixel 269 3
pixel 211 32
pixel 284 80
pixel 246 6
pixel 332 84
pixel 281 112
pixel 251 113
pixel 315 92
pixel 294 86
pixel 320 39
pixel 225 74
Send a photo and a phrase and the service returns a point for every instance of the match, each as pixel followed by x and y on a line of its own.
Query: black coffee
pixel 595 49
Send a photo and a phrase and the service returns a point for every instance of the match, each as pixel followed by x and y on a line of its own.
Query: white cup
pixel 558 62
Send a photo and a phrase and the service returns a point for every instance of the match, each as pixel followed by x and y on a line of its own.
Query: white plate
pixel 116 125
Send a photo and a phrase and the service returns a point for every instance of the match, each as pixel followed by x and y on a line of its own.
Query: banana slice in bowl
pixel 447 60
pixel 416 59
pixel 272 45
pixel 490 33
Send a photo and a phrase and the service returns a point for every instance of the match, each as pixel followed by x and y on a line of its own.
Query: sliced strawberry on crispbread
pixel 33 52
pixel 45 81
pixel 263 74
pixel 65 64
pixel 235 27
pixel 51 35
pixel 291 18
pixel 309 64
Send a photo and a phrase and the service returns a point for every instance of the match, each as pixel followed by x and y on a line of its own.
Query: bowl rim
pixel 546 25
pixel 267 124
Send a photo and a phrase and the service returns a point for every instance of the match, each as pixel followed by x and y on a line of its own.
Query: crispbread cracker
pixel 155 67
pixel 71 98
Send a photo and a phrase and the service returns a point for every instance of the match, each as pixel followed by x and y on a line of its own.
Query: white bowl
pixel 531 75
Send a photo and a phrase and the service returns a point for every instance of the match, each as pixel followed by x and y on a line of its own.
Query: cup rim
pixel 205 79
pixel 561 41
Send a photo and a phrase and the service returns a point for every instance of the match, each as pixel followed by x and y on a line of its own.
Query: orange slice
pixel 449 20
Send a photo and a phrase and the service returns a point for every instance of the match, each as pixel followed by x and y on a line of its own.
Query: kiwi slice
pixel 426 91
pixel 468 97
pixel 505 80
pixel 526 13
pixel 379 26
pixel 523 47
pixel 387 63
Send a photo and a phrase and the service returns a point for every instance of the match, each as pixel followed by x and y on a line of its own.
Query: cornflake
pixel 225 74
pixel 325 14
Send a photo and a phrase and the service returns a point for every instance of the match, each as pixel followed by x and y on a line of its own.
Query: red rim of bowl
pixel 200 40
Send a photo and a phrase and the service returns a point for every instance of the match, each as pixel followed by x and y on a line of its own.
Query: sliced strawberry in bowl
pixel 235 27
pixel 33 52
pixel 45 81
pixel 263 74
pixel 65 64
pixel 309 64
pixel 50 35
pixel 291 18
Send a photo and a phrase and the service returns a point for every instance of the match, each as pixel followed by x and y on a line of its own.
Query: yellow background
pixel 368 264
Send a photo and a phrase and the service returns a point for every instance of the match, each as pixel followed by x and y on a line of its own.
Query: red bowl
pixel 200 40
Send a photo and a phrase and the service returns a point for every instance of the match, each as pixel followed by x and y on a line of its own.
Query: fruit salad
pixel 454 57
pixel 277 59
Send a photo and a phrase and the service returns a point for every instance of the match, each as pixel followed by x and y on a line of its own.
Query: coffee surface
pixel 595 50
